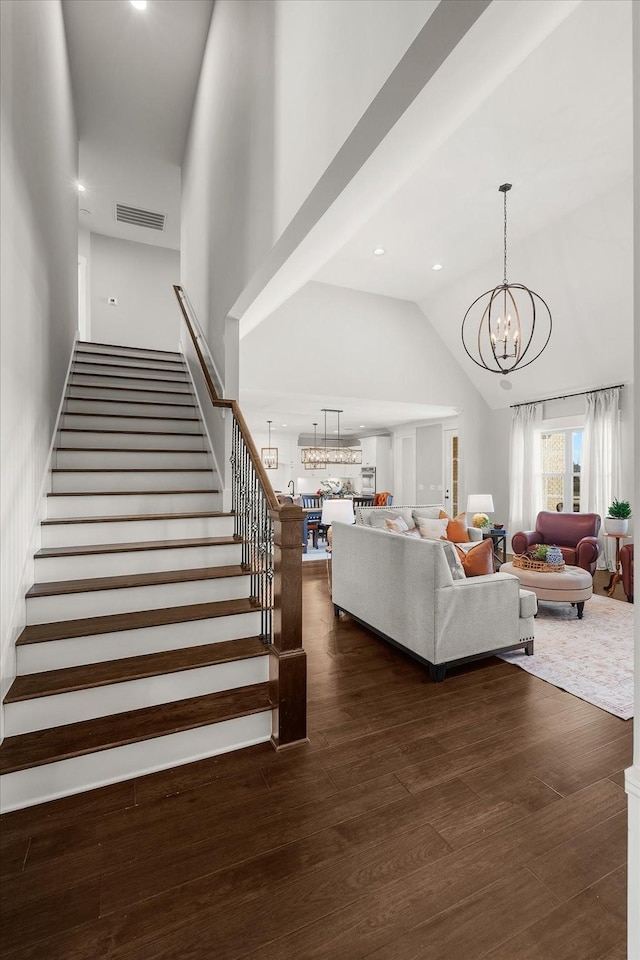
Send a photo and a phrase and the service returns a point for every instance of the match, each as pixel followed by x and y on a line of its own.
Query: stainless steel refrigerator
pixel 368 480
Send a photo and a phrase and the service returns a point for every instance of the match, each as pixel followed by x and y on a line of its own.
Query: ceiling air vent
pixel 140 218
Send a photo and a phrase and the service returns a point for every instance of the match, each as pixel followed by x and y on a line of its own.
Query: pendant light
pixel 269 454
pixel 506 328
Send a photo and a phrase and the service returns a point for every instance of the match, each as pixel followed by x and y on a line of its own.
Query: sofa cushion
pixel 378 518
pixel 432 529
pixel 478 561
pixel 396 525
pixel 429 513
pixel 456 528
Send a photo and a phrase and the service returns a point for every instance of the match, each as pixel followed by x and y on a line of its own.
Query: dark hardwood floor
pixel 483 817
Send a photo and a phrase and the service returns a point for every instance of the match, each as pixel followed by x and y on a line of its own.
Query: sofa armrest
pixel 587 552
pixel 524 539
pixel 476 615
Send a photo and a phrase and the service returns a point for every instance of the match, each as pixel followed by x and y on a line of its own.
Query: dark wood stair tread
pixel 122 493
pixel 131 376
pixel 90 675
pixel 104 733
pixel 201 515
pixel 116 622
pixel 134 449
pixel 133 433
pixel 148 403
pixel 122 360
pixel 133 470
pixel 131 416
pixel 58 588
pixel 134 547
pixel 123 346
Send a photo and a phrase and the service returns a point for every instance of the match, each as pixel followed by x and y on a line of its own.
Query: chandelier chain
pixel 505 235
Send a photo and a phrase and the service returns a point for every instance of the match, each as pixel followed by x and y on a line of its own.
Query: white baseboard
pixel 632 786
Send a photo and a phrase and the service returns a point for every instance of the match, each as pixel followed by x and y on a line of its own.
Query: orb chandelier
pixel 506 328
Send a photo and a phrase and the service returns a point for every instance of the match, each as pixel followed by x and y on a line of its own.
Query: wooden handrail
pixel 233 405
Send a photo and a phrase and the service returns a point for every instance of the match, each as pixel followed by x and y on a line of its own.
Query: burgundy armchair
pixel 626 562
pixel 575 533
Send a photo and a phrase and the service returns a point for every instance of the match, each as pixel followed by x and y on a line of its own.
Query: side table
pixel 499 538
pixel 617 573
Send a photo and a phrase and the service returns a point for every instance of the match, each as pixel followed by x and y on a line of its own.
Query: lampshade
pixel 480 503
pixel 337 511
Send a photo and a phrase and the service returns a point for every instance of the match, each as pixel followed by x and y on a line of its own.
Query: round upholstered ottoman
pixel 571 585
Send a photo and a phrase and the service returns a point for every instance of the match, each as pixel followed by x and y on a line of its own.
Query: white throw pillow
pixel 378 518
pixel 432 529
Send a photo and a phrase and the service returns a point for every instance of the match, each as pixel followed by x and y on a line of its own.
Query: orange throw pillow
pixel 479 560
pixel 456 528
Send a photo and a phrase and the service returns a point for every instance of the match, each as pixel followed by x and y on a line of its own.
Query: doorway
pixel 452 472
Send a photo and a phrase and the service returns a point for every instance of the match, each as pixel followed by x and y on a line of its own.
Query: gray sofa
pixel 413 593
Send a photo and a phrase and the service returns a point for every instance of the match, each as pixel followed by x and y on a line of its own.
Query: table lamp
pixel 336 511
pixel 479 503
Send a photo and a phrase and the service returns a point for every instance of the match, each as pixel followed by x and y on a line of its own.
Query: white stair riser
pixel 120 350
pixel 41 713
pixel 53 569
pixel 158 395
pixel 76 482
pixel 130 441
pixel 127 416
pixel 133 372
pixel 130 531
pixel 138 459
pixel 150 363
pixel 82 378
pixel 101 603
pixel 128 504
pixel 66 777
pixel 97 648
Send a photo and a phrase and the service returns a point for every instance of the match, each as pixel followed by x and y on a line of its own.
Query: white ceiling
pixel 298 412
pixel 558 128
pixel 134 76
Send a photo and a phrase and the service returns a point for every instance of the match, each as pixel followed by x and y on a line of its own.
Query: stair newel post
pixel 288 663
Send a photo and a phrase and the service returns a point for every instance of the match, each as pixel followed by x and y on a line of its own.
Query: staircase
pixel 141 649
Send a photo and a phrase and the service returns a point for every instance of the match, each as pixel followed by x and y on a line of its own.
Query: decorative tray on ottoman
pixel 539 566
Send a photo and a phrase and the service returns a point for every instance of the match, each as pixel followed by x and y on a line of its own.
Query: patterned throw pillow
pixel 457 528
pixel 479 560
pixel 398 525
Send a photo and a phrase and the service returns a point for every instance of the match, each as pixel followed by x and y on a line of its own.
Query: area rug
pixel 591 658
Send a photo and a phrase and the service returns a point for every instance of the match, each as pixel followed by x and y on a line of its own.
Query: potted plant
pixel 617 519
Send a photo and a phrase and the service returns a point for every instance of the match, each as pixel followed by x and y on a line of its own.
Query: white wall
pixel 227 177
pixel 367 347
pixel 331 60
pixel 140 276
pixel 38 279
pixel 282 86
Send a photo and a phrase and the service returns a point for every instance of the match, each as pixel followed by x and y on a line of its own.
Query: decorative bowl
pixel 498 526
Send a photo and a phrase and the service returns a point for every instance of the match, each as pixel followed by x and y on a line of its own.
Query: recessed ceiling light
pixel 379 252
pixel 283 424
pixel 81 187
pixel 362 426
pixel 139 4
pixel 437 266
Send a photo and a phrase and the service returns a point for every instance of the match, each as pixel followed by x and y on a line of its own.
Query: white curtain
pixel 601 468
pixel 524 468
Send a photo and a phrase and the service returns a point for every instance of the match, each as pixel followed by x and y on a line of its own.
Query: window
pixel 561 462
